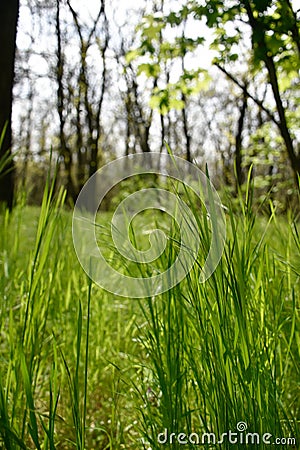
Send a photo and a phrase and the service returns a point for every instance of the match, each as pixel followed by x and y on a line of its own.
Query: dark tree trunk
pixel 259 39
pixel 9 10
pixel 238 142
pixel 92 109
pixel 184 109
pixel 186 131
pixel 65 151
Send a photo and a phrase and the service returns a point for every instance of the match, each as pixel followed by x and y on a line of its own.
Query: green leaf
pixel 132 55
pixel 174 19
pixel 150 70
pixel 274 43
pixel 233 57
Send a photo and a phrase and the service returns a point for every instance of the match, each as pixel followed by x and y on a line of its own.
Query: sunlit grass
pixel 83 369
pixel 55 393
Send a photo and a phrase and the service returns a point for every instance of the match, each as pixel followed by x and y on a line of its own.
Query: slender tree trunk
pixel 268 59
pixel 81 150
pixel 65 151
pixel 9 10
pixel 186 132
pixel 92 112
pixel 238 141
pixel 285 133
pixel 184 109
pixel 128 123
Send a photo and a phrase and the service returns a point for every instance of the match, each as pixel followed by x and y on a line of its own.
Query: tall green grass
pixel 228 350
pixel 82 369
pixel 62 352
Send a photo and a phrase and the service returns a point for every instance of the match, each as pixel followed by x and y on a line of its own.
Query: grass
pixel 81 368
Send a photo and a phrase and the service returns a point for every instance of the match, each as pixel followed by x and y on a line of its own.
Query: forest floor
pixel 83 368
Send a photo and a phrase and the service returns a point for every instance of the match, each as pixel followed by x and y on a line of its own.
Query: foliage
pixel 257 36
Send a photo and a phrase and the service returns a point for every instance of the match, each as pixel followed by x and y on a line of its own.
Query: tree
pixel 82 81
pixel 87 99
pixel 266 50
pixel 65 149
pixel 274 47
pixel 9 10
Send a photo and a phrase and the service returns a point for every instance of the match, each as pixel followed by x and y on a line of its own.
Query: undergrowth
pixel 82 368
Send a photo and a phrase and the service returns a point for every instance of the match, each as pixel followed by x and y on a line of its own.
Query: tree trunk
pixel 186 131
pixel 9 10
pixel 65 151
pixel 92 109
pixel 267 57
pixel 238 142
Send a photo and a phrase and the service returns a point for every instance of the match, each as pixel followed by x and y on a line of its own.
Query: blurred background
pixel 98 79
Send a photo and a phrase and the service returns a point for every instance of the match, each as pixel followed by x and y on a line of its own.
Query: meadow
pixel 82 368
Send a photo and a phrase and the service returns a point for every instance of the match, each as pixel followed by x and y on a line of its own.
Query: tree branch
pixel 247 93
